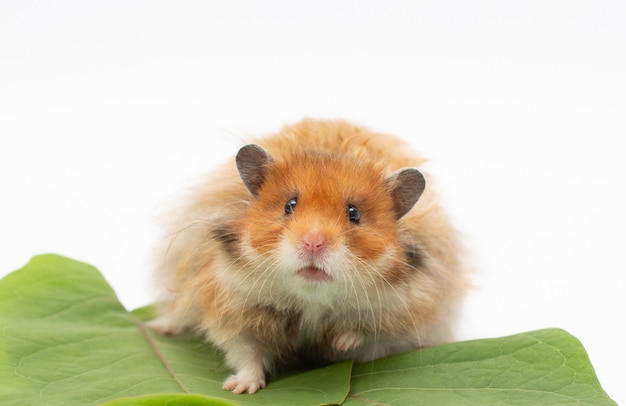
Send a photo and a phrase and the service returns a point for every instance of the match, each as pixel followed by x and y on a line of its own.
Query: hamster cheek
pixel 260 238
pixel 369 246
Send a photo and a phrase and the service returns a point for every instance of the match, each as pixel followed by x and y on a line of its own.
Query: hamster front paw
pixel 347 341
pixel 248 361
pixel 244 382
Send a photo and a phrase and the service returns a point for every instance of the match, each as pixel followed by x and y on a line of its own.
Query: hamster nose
pixel 313 242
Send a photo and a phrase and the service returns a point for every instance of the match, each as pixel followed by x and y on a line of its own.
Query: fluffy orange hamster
pixel 321 243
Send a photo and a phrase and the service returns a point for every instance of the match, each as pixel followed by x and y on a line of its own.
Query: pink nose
pixel 313 242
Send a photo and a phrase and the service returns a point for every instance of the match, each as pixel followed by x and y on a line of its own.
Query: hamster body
pixel 320 243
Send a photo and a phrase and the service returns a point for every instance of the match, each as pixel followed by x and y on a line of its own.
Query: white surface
pixel 108 109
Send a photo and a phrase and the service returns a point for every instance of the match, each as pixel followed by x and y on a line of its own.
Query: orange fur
pixel 395 283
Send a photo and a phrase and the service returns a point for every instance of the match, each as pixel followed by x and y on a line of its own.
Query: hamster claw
pixel 347 341
pixel 239 384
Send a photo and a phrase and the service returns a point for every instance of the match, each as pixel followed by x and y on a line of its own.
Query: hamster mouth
pixel 313 274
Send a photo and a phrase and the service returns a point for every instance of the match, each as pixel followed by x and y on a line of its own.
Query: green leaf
pixel 65 339
pixel 545 367
pixel 170 399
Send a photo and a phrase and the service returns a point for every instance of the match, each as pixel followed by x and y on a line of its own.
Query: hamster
pixel 321 243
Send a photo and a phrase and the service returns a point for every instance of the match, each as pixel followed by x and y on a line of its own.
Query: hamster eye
pixel 290 205
pixel 353 214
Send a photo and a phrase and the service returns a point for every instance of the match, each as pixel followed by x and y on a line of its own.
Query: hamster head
pixel 320 222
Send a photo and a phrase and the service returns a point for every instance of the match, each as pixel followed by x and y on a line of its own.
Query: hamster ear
pixel 252 163
pixel 405 186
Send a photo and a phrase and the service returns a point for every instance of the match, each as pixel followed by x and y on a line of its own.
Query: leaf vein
pixel 160 355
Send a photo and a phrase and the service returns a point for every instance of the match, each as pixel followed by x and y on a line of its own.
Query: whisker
pixel 401 299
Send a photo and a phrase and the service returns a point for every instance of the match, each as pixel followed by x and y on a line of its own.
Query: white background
pixel 109 109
